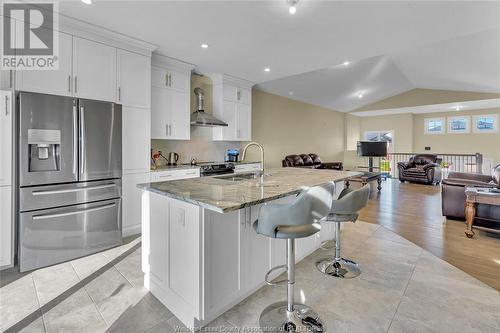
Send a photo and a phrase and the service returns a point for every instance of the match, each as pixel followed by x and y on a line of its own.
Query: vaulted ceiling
pixel 391 46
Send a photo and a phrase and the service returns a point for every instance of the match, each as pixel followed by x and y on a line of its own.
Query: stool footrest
pixel 271 283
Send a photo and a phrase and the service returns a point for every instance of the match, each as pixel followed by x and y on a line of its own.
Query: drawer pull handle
pixel 76 212
pixel 71 190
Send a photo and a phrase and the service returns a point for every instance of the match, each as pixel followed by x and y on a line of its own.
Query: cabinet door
pixel 229 116
pixel 6 138
pixel 134 79
pixel 230 93
pixel 257 250
pixel 160 116
pixel 244 131
pixel 159 77
pixel 5 226
pixel 136 140
pixel 131 203
pixel 6 79
pixel 158 239
pixel 184 250
pixel 179 81
pixel 94 70
pixel 56 82
pixel 178 107
pixel 244 96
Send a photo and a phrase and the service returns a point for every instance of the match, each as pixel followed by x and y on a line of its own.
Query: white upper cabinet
pixel 56 82
pixel 232 104
pixel 170 99
pixel 94 70
pixel 133 79
pixel 5 138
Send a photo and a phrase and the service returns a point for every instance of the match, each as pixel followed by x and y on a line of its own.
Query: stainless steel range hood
pixel 200 117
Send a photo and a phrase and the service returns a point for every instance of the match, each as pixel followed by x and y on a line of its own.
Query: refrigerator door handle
pixel 71 190
pixel 77 212
pixel 81 139
pixel 75 139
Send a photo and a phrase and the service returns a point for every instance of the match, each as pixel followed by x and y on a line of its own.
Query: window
pixel 386 136
pixel 459 124
pixel 434 126
pixel 487 123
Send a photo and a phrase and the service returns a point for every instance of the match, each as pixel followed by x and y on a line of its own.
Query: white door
pixel 94 70
pixel 133 79
pixel 244 116
pixel 257 251
pixel 229 110
pixel 56 82
pixel 178 107
pixel 5 226
pixel 136 140
pixel 5 138
pixel 131 203
pixel 160 115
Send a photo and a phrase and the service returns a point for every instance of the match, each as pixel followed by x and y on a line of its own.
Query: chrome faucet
pixel 261 157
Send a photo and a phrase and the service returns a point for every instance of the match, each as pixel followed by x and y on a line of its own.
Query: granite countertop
pixel 223 196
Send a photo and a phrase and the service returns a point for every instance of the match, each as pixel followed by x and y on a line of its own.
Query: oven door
pixel 51 236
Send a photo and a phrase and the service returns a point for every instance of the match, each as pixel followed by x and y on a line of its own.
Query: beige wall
pixel 488 143
pixel 284 126
pixel 400 124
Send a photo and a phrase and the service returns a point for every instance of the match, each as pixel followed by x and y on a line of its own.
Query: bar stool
pixel 297 219
pixel 344 209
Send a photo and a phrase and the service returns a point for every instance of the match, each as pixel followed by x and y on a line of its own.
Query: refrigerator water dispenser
pixel 44 150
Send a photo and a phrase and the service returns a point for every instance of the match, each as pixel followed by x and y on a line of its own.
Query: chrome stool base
pixel 342 268
pixel 276 318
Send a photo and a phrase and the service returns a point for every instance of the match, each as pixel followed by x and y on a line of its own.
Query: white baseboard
pixel 131 230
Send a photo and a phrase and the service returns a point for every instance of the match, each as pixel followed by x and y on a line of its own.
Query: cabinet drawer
pixel 247 168
pixel 161 176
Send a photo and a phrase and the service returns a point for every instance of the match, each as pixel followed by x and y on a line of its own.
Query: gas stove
pixel 213 168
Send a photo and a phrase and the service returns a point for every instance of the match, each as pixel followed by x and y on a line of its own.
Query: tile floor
pixel 402 289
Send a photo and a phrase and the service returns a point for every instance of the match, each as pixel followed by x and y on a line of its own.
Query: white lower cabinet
pixel 5 226
pixel 131 203
pixel 248 167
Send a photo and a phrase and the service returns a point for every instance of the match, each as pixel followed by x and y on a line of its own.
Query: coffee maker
pixel 232 155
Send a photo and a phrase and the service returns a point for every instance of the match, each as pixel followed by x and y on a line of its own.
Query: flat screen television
pixel 372 148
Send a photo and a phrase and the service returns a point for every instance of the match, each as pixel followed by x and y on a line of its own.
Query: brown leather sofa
pixel 309 161
pixel 453 195
pixel 421 168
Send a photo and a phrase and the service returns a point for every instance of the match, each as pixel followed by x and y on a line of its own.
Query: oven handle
pixel 71 190
pixel 83 211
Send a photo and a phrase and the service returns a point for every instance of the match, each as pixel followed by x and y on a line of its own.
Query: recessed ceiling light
pixel 360 94
pixel 204 46
pixel 87 2
pixel 346 63
pixel 292 3
pixel 457 108
pixel 267 69
pixel 290 93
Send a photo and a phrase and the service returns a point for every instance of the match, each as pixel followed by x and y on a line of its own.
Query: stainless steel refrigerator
pixel 69 178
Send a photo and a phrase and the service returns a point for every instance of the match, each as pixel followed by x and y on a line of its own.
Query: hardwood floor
pixel 414 212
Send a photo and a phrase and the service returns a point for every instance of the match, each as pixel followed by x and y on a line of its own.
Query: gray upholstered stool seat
pixel 293 231
pixel 298 219
pixel 344 209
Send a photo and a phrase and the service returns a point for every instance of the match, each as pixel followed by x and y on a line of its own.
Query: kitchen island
pixel 200 254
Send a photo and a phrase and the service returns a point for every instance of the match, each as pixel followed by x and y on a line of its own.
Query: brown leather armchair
pixel 422 168
pixel 453 195
pixel 309 161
